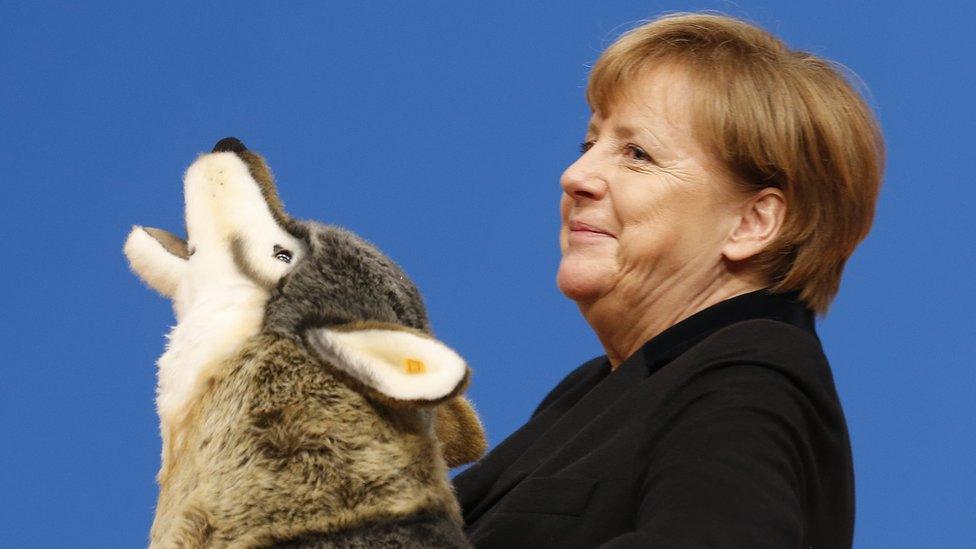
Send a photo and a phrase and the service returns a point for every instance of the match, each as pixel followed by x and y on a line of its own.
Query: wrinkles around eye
pixel 638 153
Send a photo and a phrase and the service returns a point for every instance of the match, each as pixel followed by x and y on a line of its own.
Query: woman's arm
pixel 732 471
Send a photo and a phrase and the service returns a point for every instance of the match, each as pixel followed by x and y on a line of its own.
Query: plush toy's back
pixel 301 393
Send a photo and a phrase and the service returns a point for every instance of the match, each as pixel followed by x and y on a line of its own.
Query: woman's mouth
pixel 585 230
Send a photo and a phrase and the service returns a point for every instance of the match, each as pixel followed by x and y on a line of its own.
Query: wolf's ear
pixel 158 257
pixel 400 365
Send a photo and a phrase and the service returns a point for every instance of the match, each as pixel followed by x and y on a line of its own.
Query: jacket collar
pixel 677 339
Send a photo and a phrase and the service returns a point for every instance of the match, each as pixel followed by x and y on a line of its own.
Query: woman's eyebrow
pixel 629 132
pixel 620 132
pixel 624 132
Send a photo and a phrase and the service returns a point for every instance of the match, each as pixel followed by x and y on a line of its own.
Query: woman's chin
pixel 580 281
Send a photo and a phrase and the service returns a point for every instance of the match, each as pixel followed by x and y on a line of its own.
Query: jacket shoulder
pixel 763 357
pixel 763 342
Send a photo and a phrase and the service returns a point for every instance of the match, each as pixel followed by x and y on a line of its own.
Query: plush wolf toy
pixel 303 401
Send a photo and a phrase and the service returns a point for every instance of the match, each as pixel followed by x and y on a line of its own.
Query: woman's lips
pixel 580 229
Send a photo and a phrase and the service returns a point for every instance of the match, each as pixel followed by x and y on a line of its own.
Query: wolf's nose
pixel 229 144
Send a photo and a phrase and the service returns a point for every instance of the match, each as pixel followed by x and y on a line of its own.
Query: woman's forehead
pixel 661 95
pixel 657 104
pixel 650 83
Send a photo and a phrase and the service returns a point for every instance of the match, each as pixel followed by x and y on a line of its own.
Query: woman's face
pixel 644 208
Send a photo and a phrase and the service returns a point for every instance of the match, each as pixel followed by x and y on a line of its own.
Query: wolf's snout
pixel 229 144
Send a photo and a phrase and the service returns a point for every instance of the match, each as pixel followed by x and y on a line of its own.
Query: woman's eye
pixel 282 254
pixel 585 146
pixel 638 153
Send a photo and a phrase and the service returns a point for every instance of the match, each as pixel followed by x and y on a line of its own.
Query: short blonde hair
pixel 775 117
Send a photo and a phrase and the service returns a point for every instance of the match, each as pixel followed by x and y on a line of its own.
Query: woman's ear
pixel 158 257
pixel 757 225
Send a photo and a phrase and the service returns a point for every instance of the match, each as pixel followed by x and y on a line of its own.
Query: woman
pixel 723 183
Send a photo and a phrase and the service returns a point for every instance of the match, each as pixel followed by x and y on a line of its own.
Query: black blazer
pixel 723 431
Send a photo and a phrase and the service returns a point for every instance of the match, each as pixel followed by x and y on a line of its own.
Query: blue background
pixel 438 130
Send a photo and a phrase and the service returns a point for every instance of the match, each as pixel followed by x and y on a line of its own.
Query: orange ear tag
pixel 415 366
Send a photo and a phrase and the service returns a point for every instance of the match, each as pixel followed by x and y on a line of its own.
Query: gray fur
pixel 343 280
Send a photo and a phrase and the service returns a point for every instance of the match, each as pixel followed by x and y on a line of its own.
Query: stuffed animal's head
pixel 338 295
pixel 239 243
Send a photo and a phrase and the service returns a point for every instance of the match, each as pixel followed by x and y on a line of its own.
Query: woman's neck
pixel 625 321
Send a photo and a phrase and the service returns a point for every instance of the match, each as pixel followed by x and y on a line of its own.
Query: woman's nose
pixel 585 178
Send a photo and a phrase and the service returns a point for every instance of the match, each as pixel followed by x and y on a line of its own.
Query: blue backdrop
pixel 438 130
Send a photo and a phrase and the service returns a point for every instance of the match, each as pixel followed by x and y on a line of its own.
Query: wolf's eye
pixel 282 254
